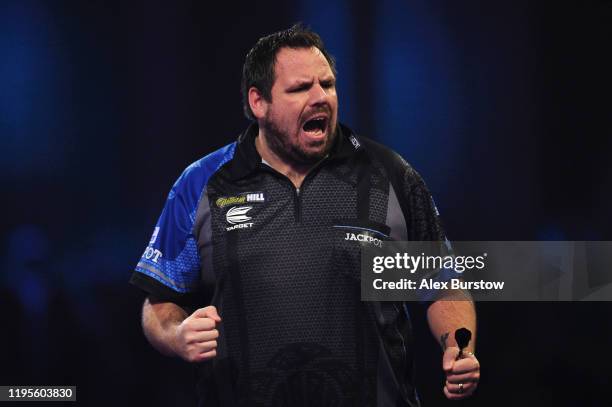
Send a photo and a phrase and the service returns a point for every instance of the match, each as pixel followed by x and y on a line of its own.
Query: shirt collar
pixel 246 158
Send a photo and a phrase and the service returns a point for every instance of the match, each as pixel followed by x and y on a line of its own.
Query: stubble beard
pixel 280 143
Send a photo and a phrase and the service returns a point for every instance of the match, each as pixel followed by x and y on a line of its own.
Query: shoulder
pixel 199 171
pixel 411 192
pixel 396 167
pixel 195 177
pixel 188 189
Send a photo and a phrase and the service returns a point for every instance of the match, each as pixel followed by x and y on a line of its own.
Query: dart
pixel 462 337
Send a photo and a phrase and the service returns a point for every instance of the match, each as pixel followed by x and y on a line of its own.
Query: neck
pixel 294 171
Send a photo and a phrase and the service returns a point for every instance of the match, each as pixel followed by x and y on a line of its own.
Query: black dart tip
pixel 463 336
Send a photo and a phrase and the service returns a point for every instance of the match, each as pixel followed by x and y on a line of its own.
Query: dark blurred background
pixel 503 107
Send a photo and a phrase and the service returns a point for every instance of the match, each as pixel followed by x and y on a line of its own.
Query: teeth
pixel 315 125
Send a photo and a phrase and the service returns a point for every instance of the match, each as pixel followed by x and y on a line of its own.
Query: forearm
pixel 447 315
pixel 159 323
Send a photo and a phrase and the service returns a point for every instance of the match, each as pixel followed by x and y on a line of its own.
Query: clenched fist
pixel 462 375
pixel 196 337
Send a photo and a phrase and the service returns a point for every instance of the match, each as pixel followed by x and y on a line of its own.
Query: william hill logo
pixel 240 199
pixel 232 200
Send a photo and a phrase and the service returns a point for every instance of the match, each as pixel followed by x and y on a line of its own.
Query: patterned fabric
pixel 282 268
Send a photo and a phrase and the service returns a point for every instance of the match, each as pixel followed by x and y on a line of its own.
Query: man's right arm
pixel 175 333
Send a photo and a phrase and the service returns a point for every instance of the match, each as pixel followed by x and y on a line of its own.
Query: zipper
pixel 298 205
pixel 297 192
pixel 300 191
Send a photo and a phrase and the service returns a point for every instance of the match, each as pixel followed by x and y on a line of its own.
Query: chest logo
pixel 230 200
pixel 240 199
pixel 255 197
pixel 238 214
pixel 364 238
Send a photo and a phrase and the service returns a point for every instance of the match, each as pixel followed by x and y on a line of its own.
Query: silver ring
pixel 460 387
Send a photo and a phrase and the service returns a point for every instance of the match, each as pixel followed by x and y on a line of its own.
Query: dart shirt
pixel 282 267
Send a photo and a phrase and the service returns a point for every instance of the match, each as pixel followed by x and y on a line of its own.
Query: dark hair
pixel 258 69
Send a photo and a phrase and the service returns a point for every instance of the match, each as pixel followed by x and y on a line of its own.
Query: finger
pixel 452 396
pixel 466 365
pixel 448 360
pixel 458 396
pixel 209 354
pixel 456 388
pixel 204 336
pixel 208 312
pixel 205 356
pixel 463 378
pixel 206 346
pixel 202 324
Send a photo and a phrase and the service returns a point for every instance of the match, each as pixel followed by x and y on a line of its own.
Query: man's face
pixel 300 121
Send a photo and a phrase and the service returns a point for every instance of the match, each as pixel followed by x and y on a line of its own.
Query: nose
pixel 319 95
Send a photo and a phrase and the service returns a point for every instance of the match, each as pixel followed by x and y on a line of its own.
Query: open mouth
pixel 315 125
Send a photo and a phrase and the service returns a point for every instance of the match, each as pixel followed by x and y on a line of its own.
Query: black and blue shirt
pixel 282 266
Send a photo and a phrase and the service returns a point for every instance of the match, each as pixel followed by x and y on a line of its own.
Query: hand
pixel 196 337
pixel 461 375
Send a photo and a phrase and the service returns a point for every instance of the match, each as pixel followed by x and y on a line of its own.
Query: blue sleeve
pixel 171 258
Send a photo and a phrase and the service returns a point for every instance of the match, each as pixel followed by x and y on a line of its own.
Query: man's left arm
pixel 454 309
pixel 445 316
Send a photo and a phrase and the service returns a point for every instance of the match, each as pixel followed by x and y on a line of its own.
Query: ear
pixel 258 104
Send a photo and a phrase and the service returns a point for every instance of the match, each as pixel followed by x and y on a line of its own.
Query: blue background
pixel 503 107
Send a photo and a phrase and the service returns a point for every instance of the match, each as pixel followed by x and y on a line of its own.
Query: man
pixel 250 272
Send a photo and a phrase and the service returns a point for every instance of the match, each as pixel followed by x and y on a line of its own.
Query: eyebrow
pixel 302 82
